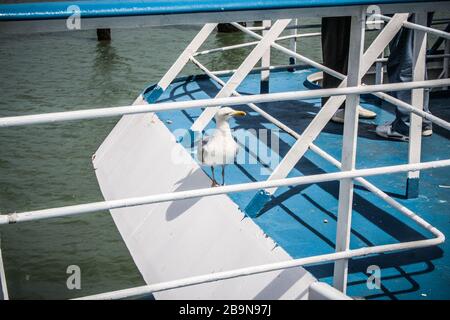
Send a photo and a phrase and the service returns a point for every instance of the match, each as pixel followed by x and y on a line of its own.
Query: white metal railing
pixel 249 44
pixel 207 192
pixel 382 20
pixel 53 117
pixel 415 26
pixel 127 293
pixel 381 95
pixel 189 55
pixel 3 286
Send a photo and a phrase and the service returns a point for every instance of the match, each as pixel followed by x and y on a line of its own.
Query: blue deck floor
pixel 302 219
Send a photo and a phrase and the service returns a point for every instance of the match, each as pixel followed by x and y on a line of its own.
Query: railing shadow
pixel 375 215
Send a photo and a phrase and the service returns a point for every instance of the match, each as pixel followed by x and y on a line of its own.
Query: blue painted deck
pixel 302 219
pixel 113 8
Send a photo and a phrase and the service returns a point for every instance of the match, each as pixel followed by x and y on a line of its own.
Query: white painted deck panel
pixel 171 241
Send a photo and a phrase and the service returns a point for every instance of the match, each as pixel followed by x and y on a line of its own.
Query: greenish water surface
pixel 46 166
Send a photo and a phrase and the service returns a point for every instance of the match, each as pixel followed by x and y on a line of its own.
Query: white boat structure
pixel 191 241
pixel 3 286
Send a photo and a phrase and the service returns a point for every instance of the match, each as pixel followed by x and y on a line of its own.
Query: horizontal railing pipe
pixel 436 120
pixel 369 186
pixel 339 75
pixel 204 103
pixel 429 57
pixel 206 192
pixel 212 277
pixel 253 43
pixel 277 67
pixel 296 26
pixel 290 52
pixel 415 26
pixel 307 26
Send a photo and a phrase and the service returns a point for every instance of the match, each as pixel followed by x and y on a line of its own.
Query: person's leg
pixel 335 48
pixel 399 69
pixel 335 51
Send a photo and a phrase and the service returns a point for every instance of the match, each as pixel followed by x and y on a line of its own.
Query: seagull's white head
pixel 226 113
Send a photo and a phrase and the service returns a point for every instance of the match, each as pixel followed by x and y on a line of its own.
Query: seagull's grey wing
pixel 236 151
pixel 200 149
pixel 205 140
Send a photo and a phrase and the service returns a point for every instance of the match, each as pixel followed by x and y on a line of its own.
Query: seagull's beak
pixel 238 114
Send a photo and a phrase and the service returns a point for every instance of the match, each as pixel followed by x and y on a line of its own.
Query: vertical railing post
pixel 350 136
pixel 293 44
pixel 265 62
pixel 379 70
pixel 446 61
pixel 379 66
pixel 3 286
pixel 417 100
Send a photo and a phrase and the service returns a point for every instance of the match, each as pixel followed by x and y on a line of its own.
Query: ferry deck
pixel 289 223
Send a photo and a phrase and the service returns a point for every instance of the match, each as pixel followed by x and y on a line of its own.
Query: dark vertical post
pixel 265 63
pixel 227 27
pixel 104 34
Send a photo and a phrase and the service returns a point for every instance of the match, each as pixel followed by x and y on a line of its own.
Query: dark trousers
pixel 399 69
pixel 335 51
pixel 335 48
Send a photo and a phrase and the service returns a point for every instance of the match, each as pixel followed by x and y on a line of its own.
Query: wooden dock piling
pixel 104 34
pixel 227 27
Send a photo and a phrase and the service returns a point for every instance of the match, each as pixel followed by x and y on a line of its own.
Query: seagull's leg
pixel 223 174
pixel 214 182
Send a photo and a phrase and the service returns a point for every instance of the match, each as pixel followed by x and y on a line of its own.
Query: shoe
pixel 427 132
pixel 386 131
pixel 363 114
pixel 366 113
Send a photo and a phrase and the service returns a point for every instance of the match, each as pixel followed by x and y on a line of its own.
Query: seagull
pixel 220 148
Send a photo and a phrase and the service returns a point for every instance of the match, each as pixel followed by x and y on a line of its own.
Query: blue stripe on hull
pixel 95 9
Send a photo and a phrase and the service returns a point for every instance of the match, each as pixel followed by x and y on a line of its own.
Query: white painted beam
pixel 350 136
pixel 446 61
pixel 417 100
pixel 208 192
pixel 253 43
pixel 379 70
pixel 3 287
pixel 53 117
pixel 265 62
